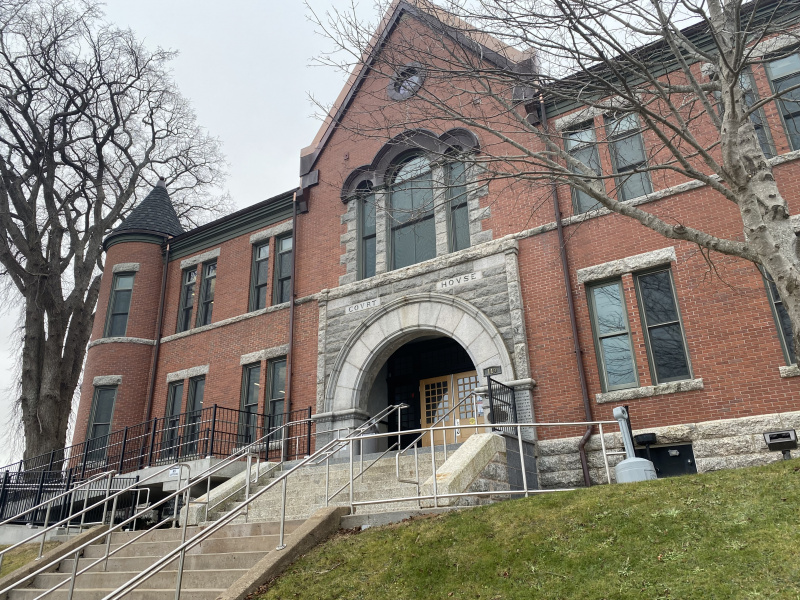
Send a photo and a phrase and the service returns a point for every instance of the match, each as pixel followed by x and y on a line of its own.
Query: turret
pixel 118 363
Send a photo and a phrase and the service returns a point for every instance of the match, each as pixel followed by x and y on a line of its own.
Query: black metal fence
pixel 211 432
pixel 502 406
pixel 23 490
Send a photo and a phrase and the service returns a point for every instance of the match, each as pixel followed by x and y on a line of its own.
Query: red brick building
pixel 396 267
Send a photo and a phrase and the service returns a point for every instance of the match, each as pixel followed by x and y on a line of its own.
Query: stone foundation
pixel 723 444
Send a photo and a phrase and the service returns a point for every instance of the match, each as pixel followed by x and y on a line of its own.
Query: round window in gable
pixel 406 82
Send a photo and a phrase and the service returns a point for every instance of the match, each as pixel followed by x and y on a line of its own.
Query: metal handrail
pixel 206 532
pixel 328 449
pixel 360 473
pixel 86 509
pixel 413 444
pixel 43 533
pixel 62 494
pixel 259 475
pixel 332 447
pixel 191 482
pixel 518 427
pixel 47 529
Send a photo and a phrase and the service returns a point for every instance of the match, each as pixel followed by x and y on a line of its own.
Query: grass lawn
pixel 729 534
pixel 22 555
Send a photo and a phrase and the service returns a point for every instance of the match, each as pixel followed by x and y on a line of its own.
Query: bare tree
pixel 89 119
pixel 678 74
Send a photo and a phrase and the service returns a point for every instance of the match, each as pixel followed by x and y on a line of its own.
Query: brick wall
pixel 732 340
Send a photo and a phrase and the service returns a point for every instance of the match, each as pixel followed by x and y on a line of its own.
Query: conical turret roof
pixel 155 213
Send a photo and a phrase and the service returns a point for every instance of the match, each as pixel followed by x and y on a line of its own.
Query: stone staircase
pixel 305 490
pixel 210 568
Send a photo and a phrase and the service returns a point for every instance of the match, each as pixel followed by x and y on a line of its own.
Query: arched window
pixel 456 174
pixel 366 211
pixel 411 211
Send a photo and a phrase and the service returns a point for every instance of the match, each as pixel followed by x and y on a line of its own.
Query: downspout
pixel 153 366
pixel 287 399
pixel 587 405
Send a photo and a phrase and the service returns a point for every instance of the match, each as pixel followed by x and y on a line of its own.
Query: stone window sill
pixel 790 371
pixel 672 387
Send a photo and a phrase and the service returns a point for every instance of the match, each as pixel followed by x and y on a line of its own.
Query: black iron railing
pixel 211 432
pixel 502 406
pixel 23 490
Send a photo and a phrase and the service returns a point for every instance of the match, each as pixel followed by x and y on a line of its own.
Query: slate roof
pixel 155 213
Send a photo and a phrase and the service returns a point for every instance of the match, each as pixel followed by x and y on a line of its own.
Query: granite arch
pixel 402 321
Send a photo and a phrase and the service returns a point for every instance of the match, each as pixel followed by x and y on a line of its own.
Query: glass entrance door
pixel 438 396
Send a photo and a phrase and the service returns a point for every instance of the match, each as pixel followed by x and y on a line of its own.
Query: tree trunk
pixel 47 387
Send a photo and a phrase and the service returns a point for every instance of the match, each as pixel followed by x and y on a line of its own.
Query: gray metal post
pixel 109 478
pixel 247 486
pixel 281 545
pixel 74 575
pixel 433 463
pixel 44 533
pixel 85 504
pixel 179 578
pixel 327 478
pixel 522 460
pixel 175 510
pixel 351 477
pixel 108 535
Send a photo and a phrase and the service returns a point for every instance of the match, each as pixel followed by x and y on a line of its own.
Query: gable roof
pixel 154 214
pixel 483 44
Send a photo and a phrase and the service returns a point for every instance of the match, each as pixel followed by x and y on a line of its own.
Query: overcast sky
pixel 244 64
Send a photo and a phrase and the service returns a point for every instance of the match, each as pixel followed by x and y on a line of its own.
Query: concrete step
pixel 193 579
pixel 100 593
pixel 225 560
pixel 253 543
pixel 174 533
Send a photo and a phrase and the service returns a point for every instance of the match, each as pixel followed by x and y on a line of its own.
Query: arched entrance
pixel 372 343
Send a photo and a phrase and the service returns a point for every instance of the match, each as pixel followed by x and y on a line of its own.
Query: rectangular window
pixel 413 237
pixel 628 155
pixel 757 118
pixel 100 423
pixel 172 420
pixel 612 336
pixel 119 305
pixel 283 269
pixel 580 142
pixel 368 253
pixel 784 74
pixel 251 375
pixel 194 415
pixel 664 335
pixel 459 211
pixel 782 320
pixel 188 282
pixel 206 304
pixel 260 273
pixel 276 392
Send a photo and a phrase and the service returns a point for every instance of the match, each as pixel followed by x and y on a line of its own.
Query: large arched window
pixel 411 211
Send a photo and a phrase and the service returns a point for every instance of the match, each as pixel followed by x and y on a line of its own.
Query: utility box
pixel 670 461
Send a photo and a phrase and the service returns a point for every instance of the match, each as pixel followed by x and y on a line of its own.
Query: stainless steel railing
pixel 471 397
pixel 334 447
pixel 358 436
pixel 182 490
pixel 49 503
pixel 331 448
